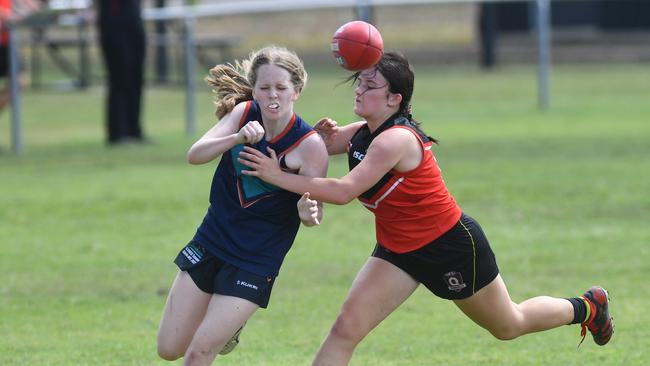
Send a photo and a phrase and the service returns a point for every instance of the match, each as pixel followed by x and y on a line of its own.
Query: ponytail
pixel 231 86
pixel 233 83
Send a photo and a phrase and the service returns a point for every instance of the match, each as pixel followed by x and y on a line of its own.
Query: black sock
pixel 579 310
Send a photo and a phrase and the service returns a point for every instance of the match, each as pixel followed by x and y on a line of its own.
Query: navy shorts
pixel 213 275
pixel 454 266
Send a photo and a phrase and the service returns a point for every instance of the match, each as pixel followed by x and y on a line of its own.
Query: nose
pixel 359 91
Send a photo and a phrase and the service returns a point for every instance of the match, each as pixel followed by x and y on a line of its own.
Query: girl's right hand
pixel 308 210
pixel 327 128
pixel 251 133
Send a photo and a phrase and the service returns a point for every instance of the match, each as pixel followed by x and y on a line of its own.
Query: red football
pixel 357 45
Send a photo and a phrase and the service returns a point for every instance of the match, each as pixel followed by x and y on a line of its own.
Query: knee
pixel 168 354
pixel 505 332
pixel 168 351
pixel 347 327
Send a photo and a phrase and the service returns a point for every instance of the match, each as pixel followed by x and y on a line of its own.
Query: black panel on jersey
pixel 362 139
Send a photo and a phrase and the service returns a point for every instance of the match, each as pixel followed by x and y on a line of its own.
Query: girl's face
pixel 274 92
pixel 371 95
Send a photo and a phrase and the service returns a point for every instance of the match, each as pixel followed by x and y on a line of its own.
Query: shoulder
pixel 242 108
pixel 301 125
pixel 397 135
pixel 310 156
pixel 233 120
pixel 240 112
pixel 394 143
pixel 312 143
pixel 400 145
pixel 311 148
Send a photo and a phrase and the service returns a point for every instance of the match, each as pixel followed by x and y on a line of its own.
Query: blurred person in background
pixel 122 39
pixel 11 14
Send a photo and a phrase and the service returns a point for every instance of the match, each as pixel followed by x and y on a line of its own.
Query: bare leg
pixel 377 291
pixel 185 308
pixel 5 95
pixel 492 309
pixel 225 315
pixel 5 92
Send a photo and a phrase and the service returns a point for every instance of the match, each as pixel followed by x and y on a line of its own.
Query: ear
pixel 296 94
pixel 394 99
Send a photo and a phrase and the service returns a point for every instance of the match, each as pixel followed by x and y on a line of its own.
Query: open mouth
pixel 274 106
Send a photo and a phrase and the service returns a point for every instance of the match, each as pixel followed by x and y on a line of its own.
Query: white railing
pixel 190 13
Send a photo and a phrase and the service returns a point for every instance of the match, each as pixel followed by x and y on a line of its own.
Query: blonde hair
pixel 233 83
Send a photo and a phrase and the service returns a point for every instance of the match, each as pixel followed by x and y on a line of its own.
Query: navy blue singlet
pixel 252 224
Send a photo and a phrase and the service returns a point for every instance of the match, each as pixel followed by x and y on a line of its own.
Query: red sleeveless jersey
pixel 411 208
pixel 6 9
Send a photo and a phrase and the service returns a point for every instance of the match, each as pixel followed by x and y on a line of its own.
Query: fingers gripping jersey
pixel 252 224
pixel 411 208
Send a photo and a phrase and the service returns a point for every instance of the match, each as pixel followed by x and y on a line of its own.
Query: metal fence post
pixel 190 51
pixel 364 11
pixel 543 25
pixel 14 81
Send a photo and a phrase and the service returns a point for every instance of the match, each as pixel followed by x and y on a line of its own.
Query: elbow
pixel 191 156
pixel 193 159
pixel 342 200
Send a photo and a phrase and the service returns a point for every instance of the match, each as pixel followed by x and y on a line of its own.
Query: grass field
pixel 88 233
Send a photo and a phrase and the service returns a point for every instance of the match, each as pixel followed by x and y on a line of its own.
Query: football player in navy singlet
pixel 227 270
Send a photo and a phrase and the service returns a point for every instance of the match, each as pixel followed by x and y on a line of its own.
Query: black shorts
pixel 4 60
pixel 213 275
pixel 454 266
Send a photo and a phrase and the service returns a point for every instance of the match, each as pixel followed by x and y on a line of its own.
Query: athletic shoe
pixel 232 343
pixel 599 323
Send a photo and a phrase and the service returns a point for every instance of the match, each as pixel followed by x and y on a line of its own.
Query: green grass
pixel 88 233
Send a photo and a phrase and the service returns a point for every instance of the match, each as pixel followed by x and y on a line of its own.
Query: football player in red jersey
pixel 423 237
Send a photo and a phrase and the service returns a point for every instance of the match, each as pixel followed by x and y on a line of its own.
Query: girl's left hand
pixel 262 166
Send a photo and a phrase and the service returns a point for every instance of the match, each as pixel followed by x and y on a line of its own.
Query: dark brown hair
pixel 398 72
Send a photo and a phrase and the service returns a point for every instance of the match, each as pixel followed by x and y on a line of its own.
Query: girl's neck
pixel 375 121
pixel 274 128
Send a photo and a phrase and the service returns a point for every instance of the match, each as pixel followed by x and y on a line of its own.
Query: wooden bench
pixel 78 71
pixel 75 36
pixel 168 49
pixel 213 50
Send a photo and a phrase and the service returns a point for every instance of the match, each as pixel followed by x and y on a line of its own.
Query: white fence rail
pixel 189 15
